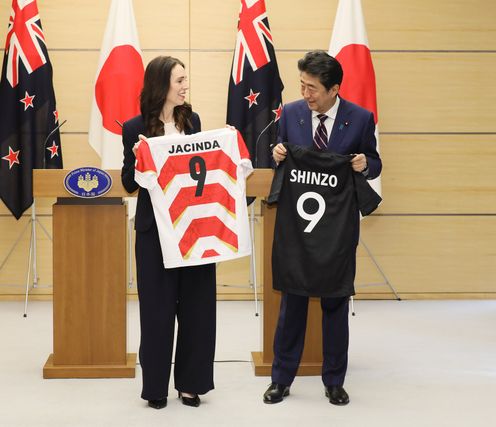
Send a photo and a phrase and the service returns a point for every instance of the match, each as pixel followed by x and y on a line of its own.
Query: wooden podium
pixel 89 276
pixel 89 281
pixel 311 363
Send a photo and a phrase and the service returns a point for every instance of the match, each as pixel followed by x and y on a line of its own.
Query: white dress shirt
pixel 329 122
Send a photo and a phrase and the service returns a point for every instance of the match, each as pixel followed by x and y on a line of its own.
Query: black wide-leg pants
pixel 188 294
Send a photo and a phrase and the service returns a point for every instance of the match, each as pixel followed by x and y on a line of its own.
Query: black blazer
pixel 131 129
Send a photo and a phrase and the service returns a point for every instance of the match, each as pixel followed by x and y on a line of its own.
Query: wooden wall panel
pixel 290 75
pixel 73 25
pixel 163 25
pixel 430 25
pixel 74 80
pixel 294 25
pixel 422 92
pixel 77 152
pixel 437 104
pixel 213 24
pixel 438 174
pixel 433 97
pixel 43 207
pixel 391 25
pixel 233 277
pixel 210 72
pixel 158 26
pixel 425 254
pixel 436 92
pixel 13 273
pixel 209 83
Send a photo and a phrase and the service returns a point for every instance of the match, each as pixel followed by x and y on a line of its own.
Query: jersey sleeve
pixel 145 170
pixel 244 155
pixel 368 200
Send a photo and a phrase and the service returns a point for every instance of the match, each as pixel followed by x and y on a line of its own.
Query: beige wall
pixel 434 234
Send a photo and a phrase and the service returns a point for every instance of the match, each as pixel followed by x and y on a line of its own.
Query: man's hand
pixel 279 153
pixel 359 163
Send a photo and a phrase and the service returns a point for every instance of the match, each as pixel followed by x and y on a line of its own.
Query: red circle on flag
pixel 118 87
pixel 359 78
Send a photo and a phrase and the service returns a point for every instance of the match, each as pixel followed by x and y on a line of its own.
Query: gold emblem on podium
pixel 88 182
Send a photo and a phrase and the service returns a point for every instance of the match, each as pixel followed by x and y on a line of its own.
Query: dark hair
pixel 320 64
pixel 155 89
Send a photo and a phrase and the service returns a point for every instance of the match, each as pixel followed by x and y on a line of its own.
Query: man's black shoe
pixel 158 404
pixel 337 395
pixel 275 393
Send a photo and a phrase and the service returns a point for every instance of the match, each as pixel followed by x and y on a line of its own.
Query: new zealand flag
pixel 29 136
pixel 254 101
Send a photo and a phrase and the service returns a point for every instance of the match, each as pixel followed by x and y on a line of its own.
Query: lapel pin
pixel 301 122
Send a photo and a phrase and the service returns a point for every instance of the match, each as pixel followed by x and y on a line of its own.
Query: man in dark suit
pixel 322 121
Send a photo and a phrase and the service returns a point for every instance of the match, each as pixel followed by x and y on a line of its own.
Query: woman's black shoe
pixel 158 404
pixel 190 401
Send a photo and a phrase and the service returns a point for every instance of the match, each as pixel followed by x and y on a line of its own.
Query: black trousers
pixel 188 294
pixel 289 339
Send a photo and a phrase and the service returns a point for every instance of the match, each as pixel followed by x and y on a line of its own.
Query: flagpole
pixel 386 280
pixel 253 264
pixel 30 258
pixel 33 233
pixel 130 222
pixel 33 255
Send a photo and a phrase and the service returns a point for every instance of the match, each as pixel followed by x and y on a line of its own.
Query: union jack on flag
pixel 252 38
pixel 254 102
pixel 24 40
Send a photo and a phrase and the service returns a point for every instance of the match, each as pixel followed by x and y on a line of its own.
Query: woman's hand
pixel 135 146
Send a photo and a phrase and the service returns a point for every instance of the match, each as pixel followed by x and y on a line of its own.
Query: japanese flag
pixel 119 80
pixel 350 46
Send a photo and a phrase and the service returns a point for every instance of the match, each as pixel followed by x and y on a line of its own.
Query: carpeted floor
pixel 412 363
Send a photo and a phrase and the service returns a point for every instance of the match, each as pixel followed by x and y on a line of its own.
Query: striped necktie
pixel 320 138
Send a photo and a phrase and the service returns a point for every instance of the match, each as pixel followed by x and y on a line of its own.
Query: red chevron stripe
pixel 210 253
pixel 212 193
pixel 144 159
pixel 243 151
pixel 177 165
pixel 204 227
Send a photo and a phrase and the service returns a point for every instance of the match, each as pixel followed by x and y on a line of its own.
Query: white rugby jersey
pixel 197 185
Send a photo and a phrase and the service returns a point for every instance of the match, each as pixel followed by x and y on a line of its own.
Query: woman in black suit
pixel 185 293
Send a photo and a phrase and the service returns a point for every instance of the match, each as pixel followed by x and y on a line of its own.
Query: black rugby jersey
pixel 319 198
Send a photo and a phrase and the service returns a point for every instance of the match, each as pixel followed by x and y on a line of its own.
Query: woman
pixel 187 293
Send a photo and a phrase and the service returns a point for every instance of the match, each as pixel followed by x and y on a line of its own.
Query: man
pixel 325 122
